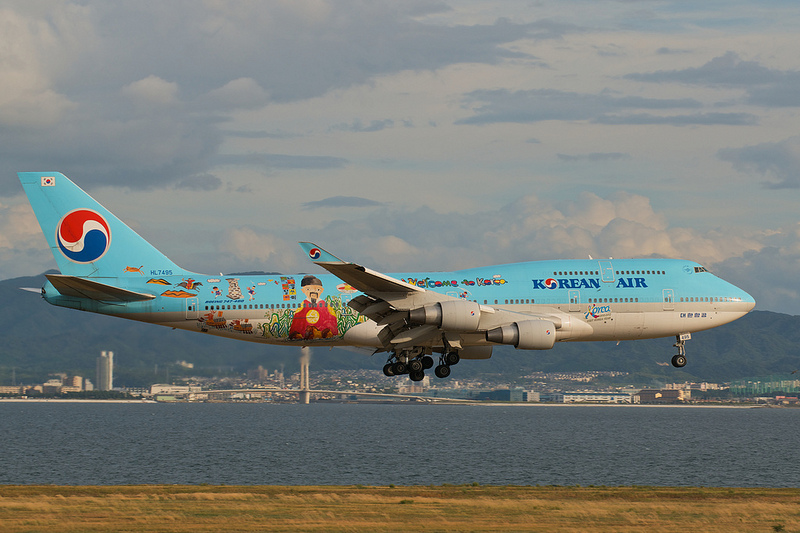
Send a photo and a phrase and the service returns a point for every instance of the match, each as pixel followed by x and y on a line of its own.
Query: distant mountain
pixel 40 339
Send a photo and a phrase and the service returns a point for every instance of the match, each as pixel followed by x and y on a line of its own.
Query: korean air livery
pixel 108 268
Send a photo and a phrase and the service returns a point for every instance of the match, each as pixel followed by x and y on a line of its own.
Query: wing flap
pixel 85 288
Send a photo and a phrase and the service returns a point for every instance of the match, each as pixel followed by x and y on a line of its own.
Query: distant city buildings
pixel 662 396
pixel 105 371
pixel 263 385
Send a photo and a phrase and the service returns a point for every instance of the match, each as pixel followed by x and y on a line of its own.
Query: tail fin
pixel 85 238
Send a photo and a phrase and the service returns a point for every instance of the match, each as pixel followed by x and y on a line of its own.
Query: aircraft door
pixel 192 311
pixel 669 300
pixel 606 271
pixel 574 300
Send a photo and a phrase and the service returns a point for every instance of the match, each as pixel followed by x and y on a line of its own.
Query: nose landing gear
pixel 679 359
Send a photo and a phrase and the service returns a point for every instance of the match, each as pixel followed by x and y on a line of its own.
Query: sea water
pixel 381 444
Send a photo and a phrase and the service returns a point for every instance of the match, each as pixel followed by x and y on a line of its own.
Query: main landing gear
pixel 415 366
pixel 446 360
pixel 679 359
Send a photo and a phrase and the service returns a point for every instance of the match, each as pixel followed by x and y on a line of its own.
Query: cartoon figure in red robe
pixel 314 320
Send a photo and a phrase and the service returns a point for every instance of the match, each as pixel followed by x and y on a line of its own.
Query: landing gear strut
pixel 679 359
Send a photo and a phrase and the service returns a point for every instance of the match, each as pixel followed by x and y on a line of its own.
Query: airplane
pixel 107 268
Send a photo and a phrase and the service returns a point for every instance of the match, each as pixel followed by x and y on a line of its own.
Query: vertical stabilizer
pixel 85 238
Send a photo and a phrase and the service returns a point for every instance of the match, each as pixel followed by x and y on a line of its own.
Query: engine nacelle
pixel 450 315
pixel 525 335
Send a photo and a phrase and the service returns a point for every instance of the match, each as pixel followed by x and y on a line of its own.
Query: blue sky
pixel 414 135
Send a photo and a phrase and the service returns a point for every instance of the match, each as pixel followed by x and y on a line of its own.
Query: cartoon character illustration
pixel 134 270
pixel 252 292
pixel 216 292
pixel 314 320
pixel 190 284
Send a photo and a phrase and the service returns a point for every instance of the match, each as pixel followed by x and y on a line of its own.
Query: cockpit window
pixel 700 269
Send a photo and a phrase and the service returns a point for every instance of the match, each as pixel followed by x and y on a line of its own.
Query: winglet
pixel 317 254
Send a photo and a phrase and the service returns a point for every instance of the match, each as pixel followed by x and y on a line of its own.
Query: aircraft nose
pixel 748 301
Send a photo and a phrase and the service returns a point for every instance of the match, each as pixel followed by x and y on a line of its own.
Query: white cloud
pixel 239 93
pixel 23 248
pixel 152 91
pixel 27 98
pixel 251 250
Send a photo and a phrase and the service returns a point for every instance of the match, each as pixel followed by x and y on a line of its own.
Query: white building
pixel 599 397
pixel 105 371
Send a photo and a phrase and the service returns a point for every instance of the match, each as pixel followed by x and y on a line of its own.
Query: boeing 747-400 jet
pixel 108 268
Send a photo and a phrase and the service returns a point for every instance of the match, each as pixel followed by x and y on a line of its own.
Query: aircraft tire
pixel 415 365
pixel 451 358
pixel 679 361
pixel 416 375
pixel 399 368
pixel 442 371
pixel 427 362
pixel 387 370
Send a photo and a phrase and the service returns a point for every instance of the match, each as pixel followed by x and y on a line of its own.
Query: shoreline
pixel 462 402
pixel 71 400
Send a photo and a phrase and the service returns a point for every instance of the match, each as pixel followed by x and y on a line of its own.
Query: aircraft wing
pixel 386 300
pixel 411 315
pixel 359 277
pixel 85 288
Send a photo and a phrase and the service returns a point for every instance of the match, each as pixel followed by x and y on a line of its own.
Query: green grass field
pixel 173 508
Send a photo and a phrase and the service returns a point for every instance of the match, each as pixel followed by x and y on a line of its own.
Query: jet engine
pixel 525 335
pixel 450 315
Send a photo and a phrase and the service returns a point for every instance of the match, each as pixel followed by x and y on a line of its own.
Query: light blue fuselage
pixel 618 300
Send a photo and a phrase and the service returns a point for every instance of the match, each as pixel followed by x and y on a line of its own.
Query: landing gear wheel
pixel 442 371
pixel 416 375
pixel 451 358
pixel 399 368
pixel 415 365
pixel 679 361
pixel 388 370
pixel 427 362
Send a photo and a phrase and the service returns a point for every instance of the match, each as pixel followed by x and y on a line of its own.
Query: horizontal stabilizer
pixel 31 289
pixel 85 288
